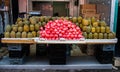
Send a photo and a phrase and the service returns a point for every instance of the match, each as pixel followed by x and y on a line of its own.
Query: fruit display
pixel 57 29
pixel 96 29
pixel 24 28
pixel 91 27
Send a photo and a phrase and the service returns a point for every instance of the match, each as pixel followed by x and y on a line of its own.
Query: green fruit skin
pixel 95 36
pixel 105 35
pixel 85 35
pixel 100 36
pixel 90 36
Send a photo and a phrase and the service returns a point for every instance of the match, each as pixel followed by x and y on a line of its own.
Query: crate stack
pixel 16 54
pixel 57 54
pixel 104 54
pixel 88 11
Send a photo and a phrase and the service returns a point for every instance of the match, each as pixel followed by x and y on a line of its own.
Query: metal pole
pixel 113 16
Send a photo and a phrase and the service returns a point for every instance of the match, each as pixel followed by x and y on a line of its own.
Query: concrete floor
pixel 24 70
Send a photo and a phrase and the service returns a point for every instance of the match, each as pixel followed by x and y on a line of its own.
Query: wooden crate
pixel 91 15
pixel 88 11
pixel 88 6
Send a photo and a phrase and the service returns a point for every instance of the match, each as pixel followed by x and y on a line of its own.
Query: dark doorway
pixel 15 10
pixel 117 48
pixel 60 8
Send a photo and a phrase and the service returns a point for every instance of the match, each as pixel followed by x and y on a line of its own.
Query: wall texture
pixel 22 5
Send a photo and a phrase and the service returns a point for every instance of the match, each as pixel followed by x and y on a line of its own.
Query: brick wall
pixel 22 5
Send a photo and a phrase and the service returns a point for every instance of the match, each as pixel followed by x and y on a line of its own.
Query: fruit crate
pixel 88 11
pixel 17 61
pixel 88 6
pixel 97 16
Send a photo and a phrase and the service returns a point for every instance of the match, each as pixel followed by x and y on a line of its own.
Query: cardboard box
pixel 88 11
pixel 88 6
pixel 7 2
pixel 91 15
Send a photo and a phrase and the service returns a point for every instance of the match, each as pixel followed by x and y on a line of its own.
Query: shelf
pixel 85 62
pixel 101 41
pixel 86 41
pixel 60 41
pixel 18 40
pixel 36 40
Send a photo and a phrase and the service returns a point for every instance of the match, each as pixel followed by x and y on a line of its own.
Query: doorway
pixel 15 10
pixel 117 48
pixel 60 9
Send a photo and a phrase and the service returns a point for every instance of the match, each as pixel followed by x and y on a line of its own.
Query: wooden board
pixel 37 40
pixel 18 40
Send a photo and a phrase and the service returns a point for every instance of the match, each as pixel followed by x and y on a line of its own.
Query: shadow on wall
pixel 56 14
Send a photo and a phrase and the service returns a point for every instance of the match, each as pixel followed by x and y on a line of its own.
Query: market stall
pixel 79 42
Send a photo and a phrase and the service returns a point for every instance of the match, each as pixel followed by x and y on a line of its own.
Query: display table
pixel 36 40
pixel 85 62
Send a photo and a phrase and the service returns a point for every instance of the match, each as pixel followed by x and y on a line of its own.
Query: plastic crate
pixel 16 47
pixel 57 61
pixel 104 56
pixel 57 46
pixel 54 55
pixel 57 54
pixel 57 50
pixel 108 47
pixel 16 54
pixel 17 61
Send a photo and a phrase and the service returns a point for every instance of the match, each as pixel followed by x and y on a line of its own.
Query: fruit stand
pixel 55 38
pixel 83 41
